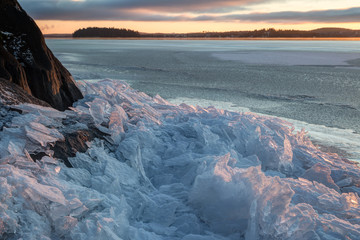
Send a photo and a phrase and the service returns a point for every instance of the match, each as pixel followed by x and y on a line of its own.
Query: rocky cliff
pixel 12 94
pixel 26 60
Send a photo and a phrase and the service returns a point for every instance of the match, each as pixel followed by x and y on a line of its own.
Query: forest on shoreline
pixel 105 33
pixel 262 33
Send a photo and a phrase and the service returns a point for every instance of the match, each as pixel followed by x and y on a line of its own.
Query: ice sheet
pixel 289 57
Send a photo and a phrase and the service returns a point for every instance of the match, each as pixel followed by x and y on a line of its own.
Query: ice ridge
pixel 170 172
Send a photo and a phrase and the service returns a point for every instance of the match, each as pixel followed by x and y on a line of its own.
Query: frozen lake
pixel 314 84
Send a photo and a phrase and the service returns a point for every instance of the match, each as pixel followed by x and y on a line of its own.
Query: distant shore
pixel 205 38
pixel 261 34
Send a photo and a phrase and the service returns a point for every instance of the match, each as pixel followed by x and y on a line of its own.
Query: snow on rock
pixel 17 46
pixel 170 172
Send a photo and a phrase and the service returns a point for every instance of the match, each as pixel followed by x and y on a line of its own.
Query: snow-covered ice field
pixel 170 172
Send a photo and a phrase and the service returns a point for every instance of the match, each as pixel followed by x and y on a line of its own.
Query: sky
pixel 182 16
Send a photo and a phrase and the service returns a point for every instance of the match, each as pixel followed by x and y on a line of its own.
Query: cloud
pixel 324 16
pixel 176 10
pixel 46 27
pixel 69 9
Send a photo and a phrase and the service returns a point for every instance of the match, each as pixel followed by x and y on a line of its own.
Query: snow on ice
pixel 170 172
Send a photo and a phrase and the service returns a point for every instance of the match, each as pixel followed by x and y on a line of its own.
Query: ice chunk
pixel 99 110
pixel 117 120
pixel 321 174
pixel 46 111
pixel 36 191
pixel 223 195
pixel 37 132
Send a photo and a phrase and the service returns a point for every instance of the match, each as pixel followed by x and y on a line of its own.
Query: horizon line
pixel 277 29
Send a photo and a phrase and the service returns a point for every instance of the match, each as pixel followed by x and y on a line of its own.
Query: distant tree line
pixel 267 33
pixel 105 32
pixel 261 33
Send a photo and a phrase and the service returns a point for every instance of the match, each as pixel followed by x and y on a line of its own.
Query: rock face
pixel 26 60
pixel 12 94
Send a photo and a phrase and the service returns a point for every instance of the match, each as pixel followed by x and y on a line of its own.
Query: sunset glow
pixel 65 16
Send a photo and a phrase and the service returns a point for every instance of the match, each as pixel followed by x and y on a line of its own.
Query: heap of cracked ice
pixel 170 172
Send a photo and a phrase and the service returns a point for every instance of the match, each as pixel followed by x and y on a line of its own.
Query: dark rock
pixel 74 142
pixel 26 60
pixel 12 94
